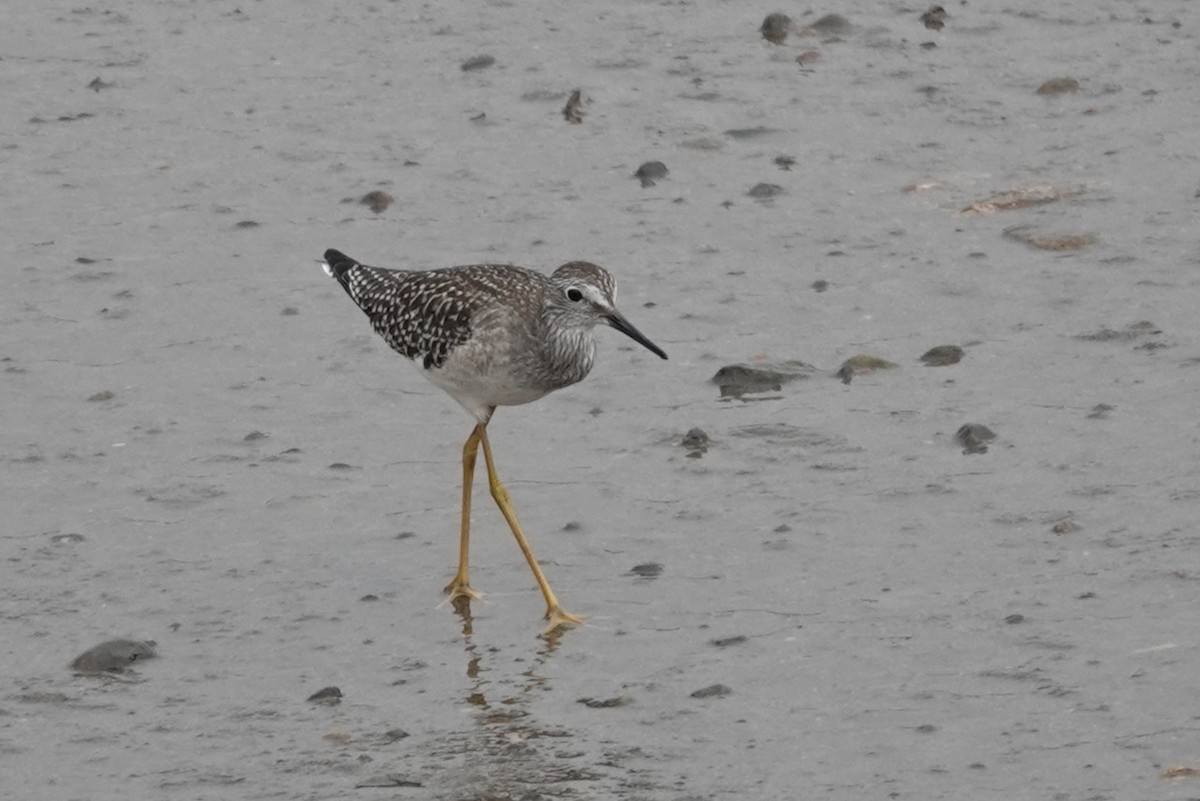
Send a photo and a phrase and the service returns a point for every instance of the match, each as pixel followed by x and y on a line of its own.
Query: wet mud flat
pixel 934 537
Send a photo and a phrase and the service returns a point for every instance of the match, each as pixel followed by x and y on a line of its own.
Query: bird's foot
pixel 560 618
pixel 460 587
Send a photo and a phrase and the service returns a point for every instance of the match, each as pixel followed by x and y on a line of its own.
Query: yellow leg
pixel 460 585
pixel 557 616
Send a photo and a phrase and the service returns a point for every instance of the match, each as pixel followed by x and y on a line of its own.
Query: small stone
pixel 377 201
pixel 696 440
pixel 832 25
pixel 650 171
pixel 1014 619
pixel 934 18
pixel 646 570
pixel 974 437
pixel 764 190
pixel 712 691
pixel 861 364
pixel 326 695
pixel 99 397
pixel 775 28
pixel 573 111
pixel 605 703
pixel 736 380
pixel 942 355
pixel 725 642
pixel 113 656
pixel 1058 86
pixel 477 63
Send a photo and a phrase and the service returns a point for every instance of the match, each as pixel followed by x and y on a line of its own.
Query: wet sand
pixel 209 449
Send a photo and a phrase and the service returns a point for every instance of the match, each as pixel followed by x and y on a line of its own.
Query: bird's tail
pixel 337 264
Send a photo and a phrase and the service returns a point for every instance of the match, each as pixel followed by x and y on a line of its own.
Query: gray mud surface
pixel 206 447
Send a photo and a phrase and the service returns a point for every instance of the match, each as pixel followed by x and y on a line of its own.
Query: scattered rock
pixel 712 691
pixel 808 57
pixel 831 25
pixel 650 171
pixel 1058 86
pixel 1129 333
pixel 1100 411
pixel 377 201
pixel 477 63
pixel 942 355
pixel 1013 619
pixel 787 162
pixel 605 703
pixel 775 28
pixel 1021 198
pixel 820 285
pixel 736 380
pixel 762 191
pixel 246 224
pixel 974 437
pixel 862 364
pixel 1054 242
pixel 254 436
pixel 1066 526
pixel 388 780
pixel 647 570
pixel 330 696
pixel 96 84
pixel 935 18
pixel 696 441
pixel 113 656
pixel 100 397
pixel 573 111
pixel 725 642
pixel 67 539
pixel 749 133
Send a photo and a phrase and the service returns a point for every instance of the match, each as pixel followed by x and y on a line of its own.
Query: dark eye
pixel 574 295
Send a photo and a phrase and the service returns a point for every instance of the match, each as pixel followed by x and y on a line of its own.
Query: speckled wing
pixel 422 315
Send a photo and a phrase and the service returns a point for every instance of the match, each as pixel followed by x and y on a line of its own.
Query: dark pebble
pixel 477 63
pixel 1014 619
pixel 712 691
pixel 761 191
pixel 974 437
pixel 650 171
pixel 942 355
pixel 113 656
pixel 725 642
pixel 695 440
pixel 646 570
pixel 832 25
pixel 605 703
pixel 736 380
pixel 775 28
pixel 326 695
pixel 377 201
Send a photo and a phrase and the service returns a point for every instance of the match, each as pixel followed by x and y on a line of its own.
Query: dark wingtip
pixel 337 263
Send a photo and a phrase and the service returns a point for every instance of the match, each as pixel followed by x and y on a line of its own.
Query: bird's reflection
pixel 514 706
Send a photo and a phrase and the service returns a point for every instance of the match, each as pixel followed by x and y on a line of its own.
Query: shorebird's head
pixel 583 294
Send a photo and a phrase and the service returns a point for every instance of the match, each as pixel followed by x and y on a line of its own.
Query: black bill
pixel 618 321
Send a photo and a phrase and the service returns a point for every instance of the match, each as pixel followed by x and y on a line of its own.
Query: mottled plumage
pixel 490 335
